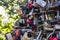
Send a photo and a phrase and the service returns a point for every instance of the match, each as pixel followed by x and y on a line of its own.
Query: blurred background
pixel 8 15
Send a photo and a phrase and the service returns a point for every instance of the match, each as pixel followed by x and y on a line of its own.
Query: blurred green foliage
pixel 9 8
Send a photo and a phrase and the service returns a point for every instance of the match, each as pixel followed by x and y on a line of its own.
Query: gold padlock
pixel 19 12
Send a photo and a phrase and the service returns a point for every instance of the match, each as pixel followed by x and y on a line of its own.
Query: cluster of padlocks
pixel 38 22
